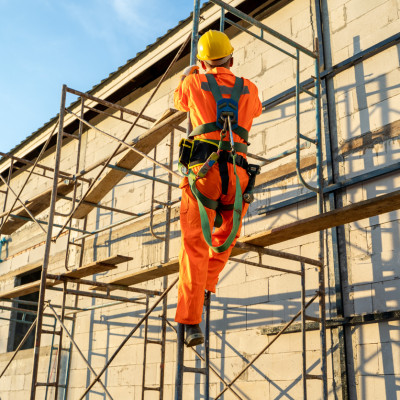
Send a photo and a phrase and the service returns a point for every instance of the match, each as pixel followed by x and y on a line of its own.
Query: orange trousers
pixel 199 266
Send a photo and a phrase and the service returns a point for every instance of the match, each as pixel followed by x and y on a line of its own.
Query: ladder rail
pixel 46 257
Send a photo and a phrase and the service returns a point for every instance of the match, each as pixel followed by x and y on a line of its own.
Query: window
pixel 21 322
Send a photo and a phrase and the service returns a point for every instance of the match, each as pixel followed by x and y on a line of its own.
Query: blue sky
pixel 46 43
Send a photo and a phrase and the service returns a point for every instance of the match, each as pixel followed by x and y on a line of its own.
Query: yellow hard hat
pixel 214 45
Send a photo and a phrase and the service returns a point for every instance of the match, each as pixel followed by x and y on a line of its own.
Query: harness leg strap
pixel 205 225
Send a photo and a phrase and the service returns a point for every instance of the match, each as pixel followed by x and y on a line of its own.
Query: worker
pixel 199 94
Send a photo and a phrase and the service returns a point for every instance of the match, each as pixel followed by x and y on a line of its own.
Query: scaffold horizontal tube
pixel 102 284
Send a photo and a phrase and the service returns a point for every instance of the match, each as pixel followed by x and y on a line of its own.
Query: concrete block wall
pixel 247 298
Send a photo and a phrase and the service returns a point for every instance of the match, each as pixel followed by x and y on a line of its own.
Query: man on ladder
pixel 213 158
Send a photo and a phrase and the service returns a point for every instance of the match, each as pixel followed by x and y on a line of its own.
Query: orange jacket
pixel 190 96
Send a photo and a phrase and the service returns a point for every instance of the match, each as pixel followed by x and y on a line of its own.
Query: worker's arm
pixel 182 91
pixel 257 103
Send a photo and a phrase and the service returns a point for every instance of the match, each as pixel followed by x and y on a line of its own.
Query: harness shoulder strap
pixel 237 89
pixel 215 90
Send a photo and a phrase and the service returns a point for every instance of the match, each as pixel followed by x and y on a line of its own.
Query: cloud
pixel 128 11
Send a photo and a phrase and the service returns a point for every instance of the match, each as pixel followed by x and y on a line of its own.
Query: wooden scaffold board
pixel 36 205
pixel 144 143
pixel 86 270
pixel 354 212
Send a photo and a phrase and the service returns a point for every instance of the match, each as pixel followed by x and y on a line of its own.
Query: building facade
pixel 138 218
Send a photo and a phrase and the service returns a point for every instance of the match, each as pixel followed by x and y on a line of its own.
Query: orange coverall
pixel 199 266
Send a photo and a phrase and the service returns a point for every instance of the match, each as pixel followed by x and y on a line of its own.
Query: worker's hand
pixel 191 69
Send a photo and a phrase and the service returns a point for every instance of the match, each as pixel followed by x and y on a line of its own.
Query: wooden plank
pixel 22 290
pixel 36 205
pixel 97 267
pixel 87 270
pixel 145 143
pixel 158 271
pixel 354 212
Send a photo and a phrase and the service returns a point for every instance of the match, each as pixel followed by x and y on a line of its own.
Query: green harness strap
pixel 204 201
pixel 215 90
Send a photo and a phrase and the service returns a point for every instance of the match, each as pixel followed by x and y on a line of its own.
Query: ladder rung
pixel 156 388
pixel 195 370
pixel 51 332
pixel 70 135
pixel 310 318
pixel 53 384
pixel 310 376
pixel 152 341
pixel 46 384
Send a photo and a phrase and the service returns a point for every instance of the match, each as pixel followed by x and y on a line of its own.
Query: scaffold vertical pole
pixel 207 304
pixel 303 331
pixel 180 348
pixel 46 257
pixel 320 199
pixel 166 258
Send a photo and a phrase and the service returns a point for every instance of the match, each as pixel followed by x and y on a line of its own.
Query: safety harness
pixel 217 151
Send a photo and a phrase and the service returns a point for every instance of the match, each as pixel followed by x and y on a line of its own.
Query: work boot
pixel 194 335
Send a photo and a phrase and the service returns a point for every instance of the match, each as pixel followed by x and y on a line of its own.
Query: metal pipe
pixel 79 351
pixel 298 133
pixel 166 258
pixel 60 341
pixel 24 339
pixel 207 305
pixel 35 303
pixel 17 198
pixel 46 258
pixel 333 187
pixel 128 337
pixel 113 116
pixel 87 234
pixel 22 203
pixel 20 321
pixel 336 69
pixel 46 223
pixel 238 260
pixel 146 328
pixel 277 253
pixel 260 25
pixel 50 358
pixel 230 22
pixel 22 310
pixel 62 174
pixel 122 143
pixel 103 284
pixel 266 347
pixel 328 108
pixel 152 178
pixel 10 171
pixel 320 201
pixel 132 126
pixel 222 20
pixel 303 332
pixel 152 204
pixel 98 295
pixel 110 105
pixel 118 210
pixel 202 359
pixel 180 348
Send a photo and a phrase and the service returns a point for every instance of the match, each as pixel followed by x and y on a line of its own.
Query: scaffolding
pixel 111 171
